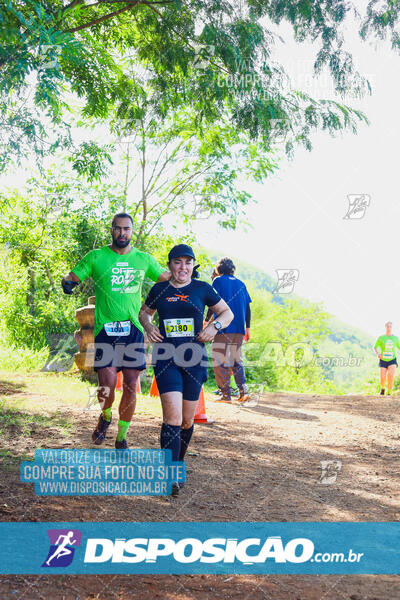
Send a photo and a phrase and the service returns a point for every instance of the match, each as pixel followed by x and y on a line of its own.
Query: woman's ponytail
pixel 195 274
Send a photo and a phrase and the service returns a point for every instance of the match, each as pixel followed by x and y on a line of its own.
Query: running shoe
pixel 99 434
pixel 224 399
pixel 234 392
pixel 175 489
pixel 243 398
pixel 244 395
pixel 122 445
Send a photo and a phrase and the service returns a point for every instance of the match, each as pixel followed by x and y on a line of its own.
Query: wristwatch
pixel 217 325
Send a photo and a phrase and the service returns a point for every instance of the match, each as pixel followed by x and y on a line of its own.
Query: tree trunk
pixel 30 297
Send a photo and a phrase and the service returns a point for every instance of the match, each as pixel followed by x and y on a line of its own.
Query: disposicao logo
pixel 62 547
pixel 190 550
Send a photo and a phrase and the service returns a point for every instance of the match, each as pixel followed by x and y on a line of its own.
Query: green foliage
pixel 22 359
pixel 343 354
pixel 284 341
pixel 42 234
pixel 169 168
pixel 381 20
pixel 46 229
pixel 212 58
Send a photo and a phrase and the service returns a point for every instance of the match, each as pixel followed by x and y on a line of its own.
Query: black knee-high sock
pixel 186 435
pixel 171 438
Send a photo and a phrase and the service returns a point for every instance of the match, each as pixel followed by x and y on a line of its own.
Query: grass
pixel 38 393
pixel 41 390
pixel 32 398
pixel 10 461
pixel 22 360
pixel 30 403
pixel 24 423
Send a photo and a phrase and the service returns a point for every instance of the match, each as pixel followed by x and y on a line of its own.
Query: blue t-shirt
pixel 234 292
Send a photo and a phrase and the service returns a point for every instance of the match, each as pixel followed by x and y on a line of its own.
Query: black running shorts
pixel 121 351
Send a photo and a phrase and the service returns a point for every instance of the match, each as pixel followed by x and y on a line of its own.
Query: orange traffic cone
pixel 154 388
pixel 120 380
pixel 201 416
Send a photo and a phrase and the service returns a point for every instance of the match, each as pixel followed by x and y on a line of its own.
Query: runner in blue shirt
pixel 227 345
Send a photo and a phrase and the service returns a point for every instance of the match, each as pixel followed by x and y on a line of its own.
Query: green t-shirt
pixel 387 345
pixel 118 280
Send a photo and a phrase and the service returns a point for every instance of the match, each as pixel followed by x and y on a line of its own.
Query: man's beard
pixel 121 244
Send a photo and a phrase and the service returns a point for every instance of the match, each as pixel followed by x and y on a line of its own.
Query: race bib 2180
pixel 179 327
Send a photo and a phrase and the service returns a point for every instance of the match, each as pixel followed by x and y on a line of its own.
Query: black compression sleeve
pixel 209 314
pixel 68 286
pixel 248 316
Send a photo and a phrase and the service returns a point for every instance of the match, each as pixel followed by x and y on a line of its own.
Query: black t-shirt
pixel 181 310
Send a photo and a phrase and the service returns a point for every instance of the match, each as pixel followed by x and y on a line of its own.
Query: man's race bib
pixel 118 328
pixel 179 327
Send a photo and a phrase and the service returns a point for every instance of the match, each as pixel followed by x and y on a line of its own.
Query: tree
pixel 284 341
pixel 169 169
pixel 44 230
pixel 380 20
pixel 213 57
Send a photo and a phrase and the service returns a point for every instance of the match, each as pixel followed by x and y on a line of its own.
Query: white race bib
pixel 387 354
pixel 179 327
pixel 118 328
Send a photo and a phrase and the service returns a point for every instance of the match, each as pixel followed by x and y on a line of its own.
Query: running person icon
pixel 179 355
pixel 385 349
pixel 62 549
pixel 118 271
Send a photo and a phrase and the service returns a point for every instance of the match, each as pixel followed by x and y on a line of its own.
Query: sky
pixel 352 265
pixel 297 220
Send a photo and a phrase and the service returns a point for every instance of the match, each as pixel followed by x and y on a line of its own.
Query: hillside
pixel 346 354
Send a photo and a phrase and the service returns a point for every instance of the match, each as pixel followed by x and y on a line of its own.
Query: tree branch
pixel 156 164
pixel 143 199
pixel 49 274
pixel 168 160
pixel 72 5
pixel 125 1
pixel 180 185
pixel 104 17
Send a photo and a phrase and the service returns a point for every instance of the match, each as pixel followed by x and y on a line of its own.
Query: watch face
pixel 217 325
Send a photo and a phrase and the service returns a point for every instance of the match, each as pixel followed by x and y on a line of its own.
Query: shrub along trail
pixel 261 463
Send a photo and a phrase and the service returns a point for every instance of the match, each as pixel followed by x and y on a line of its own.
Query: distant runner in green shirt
pixel 118 271
pixel 385 349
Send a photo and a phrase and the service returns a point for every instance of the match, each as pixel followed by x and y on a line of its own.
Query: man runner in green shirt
pixel 385 349
pixel 118 271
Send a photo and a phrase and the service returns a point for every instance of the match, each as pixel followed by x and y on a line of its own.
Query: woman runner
pixel 179 355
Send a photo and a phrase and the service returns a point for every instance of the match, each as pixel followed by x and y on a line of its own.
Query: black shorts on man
pixel 119 345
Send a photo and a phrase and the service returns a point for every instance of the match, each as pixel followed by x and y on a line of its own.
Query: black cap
pixel 181 250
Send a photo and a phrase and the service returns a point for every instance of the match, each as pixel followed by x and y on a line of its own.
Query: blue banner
pixel 105 472
pixel 206 547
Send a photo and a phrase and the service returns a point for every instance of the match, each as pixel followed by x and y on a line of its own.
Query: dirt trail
pixel 261 463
